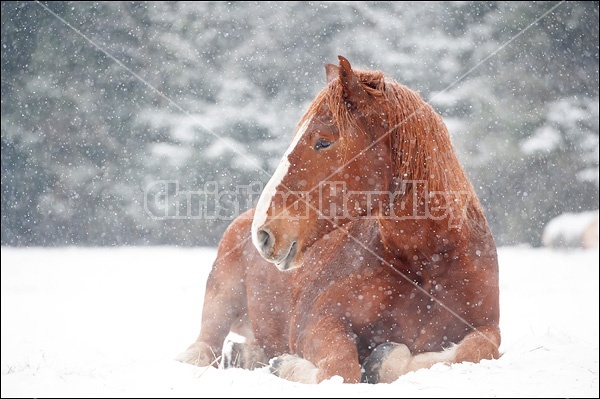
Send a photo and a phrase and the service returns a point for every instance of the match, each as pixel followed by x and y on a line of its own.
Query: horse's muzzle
pixel 288 261
pixel 264 241
pixel 283 257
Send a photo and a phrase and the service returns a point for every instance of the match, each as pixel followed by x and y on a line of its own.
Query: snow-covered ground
pixel 81 322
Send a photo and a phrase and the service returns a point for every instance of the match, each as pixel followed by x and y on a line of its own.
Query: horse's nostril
pixel 264 238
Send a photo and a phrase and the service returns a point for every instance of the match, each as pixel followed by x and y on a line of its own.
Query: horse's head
pixel 338 156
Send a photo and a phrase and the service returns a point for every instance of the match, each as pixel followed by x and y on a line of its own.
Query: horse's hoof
pixel 275 365
pixel 242 355
pixel 294 368
pixel 372 364
pixel 231 355
pixel 198 354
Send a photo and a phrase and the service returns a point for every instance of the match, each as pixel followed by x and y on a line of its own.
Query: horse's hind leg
pixel 391 360
pixel 225 306
pixel 481 343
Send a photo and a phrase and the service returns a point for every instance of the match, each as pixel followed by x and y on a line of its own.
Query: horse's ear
pixel 332 72
pixel 354 94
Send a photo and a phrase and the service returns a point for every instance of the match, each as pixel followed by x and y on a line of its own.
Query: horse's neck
pixel 417 235
pixel 328 257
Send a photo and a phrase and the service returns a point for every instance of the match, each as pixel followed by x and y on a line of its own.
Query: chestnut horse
pixel 386 261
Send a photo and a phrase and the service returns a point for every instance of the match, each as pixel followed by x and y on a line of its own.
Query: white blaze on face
pixel 264 202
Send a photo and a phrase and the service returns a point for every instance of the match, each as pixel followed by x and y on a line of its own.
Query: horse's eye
pixel 322 143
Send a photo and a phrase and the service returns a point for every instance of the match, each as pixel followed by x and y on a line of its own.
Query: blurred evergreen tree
pixel 224 83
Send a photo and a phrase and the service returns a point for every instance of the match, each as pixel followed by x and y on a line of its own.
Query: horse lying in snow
pixel 386 261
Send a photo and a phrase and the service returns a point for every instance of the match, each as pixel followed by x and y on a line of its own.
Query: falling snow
pixel 131 92
pixel 103 102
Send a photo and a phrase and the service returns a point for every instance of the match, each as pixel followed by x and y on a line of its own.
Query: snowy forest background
pixel 83 138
